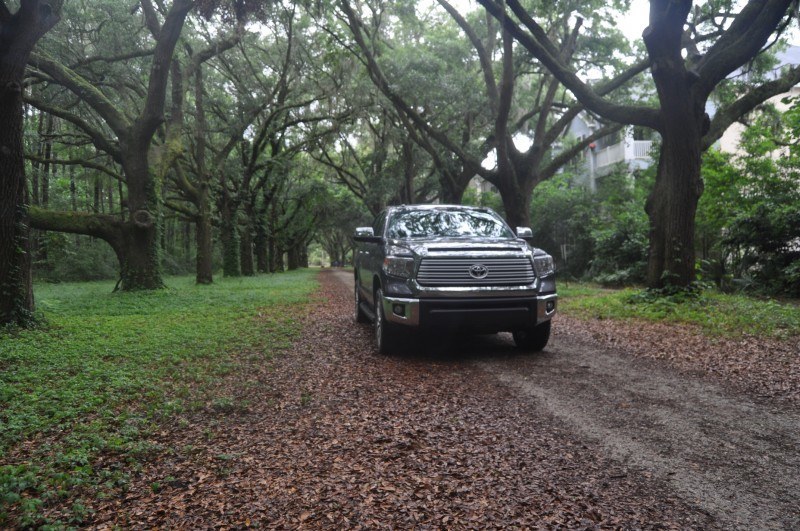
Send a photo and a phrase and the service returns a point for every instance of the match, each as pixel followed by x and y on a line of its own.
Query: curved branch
pixel 538 44
pixel 87 92
pixel 78 162
pixel 213 50
pixel 103 226
pixel 97 137
pixel 742 41
pixel 728 115
pixel 483 57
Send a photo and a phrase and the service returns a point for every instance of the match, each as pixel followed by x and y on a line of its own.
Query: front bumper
pixel 485 314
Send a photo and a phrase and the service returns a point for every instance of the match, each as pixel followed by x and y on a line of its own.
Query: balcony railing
pixel 616 153
pixel 610 155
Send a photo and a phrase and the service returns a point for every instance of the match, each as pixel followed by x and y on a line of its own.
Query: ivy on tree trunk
pixel 19 33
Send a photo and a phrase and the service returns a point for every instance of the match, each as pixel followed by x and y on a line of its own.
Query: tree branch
pixel 728 115
pixel 84 90
pixel 742 41
pixel 97 137
pixel 103 226
pixel 153 113
pixel 77 162
pixel 538 44
pixel 483 57
pixel 376 74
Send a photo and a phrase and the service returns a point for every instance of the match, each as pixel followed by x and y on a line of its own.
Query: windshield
pixel 432 223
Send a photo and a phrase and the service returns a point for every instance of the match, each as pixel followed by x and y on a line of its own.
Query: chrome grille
pixel 502 271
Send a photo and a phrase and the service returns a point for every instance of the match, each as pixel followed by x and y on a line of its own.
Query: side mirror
pixel 366 235
pixel 525 233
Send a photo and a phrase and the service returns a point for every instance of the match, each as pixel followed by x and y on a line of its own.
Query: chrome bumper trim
pixel 411 306
pixel 541 307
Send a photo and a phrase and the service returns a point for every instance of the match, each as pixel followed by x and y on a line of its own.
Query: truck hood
pixel 467 245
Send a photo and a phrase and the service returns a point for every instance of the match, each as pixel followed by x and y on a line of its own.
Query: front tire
pixel 385 333
pixel 533 339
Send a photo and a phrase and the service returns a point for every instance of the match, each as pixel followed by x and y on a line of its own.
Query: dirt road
pixel 737 459
pixel 333 435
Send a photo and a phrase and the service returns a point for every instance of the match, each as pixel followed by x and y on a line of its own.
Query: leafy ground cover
pixel 717 314
pixel 745 342
pixel 108 368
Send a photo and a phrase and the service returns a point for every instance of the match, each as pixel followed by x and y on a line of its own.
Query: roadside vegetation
pixel 715 313
pixel 108 368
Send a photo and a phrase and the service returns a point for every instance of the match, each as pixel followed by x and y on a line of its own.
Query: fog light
pixel 550 306
pixel 399 309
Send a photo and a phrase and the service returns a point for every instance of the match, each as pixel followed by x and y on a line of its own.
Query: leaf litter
pixel 335 435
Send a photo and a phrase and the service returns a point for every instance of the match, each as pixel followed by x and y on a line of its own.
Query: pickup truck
pixel 448 268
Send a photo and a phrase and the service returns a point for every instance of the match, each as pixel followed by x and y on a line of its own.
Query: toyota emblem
pixel 478 271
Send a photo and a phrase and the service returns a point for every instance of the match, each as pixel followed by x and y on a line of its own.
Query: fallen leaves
pixel 337 436
pixel 764 368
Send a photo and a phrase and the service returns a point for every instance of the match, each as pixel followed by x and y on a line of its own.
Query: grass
pixel 718 314
pixel 107 367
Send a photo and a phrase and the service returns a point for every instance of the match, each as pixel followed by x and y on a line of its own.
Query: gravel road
pixel 730 455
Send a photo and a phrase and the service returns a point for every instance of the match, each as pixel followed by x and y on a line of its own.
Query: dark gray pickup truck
pixel 451 267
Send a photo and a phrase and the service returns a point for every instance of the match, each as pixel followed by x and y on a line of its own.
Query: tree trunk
pixel 140 268
pixel 261 246
pixel 16 293
pixel 278 265
pixel 672 204
pixel 452 187
pixel 304 256
pixel 517 206
pixel 246 240
pixel 293 257
pixel 272 251
pixel 246 252
pixel 671 209
pixel 203 234
pixel 229 235
pixel 18 35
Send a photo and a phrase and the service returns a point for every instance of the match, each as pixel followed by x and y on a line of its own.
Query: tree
pixel 135 239
pixel 19 33
pixel 373 158
pixel 517 99
pixel 717 42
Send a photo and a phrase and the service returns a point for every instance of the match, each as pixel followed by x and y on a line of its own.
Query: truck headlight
pixel 398 266
pixel 543 265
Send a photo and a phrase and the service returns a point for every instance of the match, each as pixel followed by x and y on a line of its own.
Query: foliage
pixel 111 365
pixel 748 218
pixel 600 235
pixel 716 313
pixel 620 252
pixel 562 216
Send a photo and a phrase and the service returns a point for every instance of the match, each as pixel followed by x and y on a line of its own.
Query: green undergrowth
pixel 718 314
pixel 106 368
